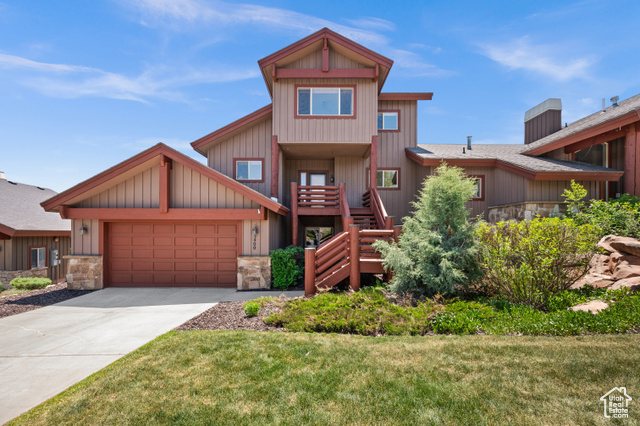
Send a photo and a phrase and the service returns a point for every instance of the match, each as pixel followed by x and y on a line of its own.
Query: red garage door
pixel 172 254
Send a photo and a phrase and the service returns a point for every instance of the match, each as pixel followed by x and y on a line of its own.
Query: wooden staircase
pixel 363 216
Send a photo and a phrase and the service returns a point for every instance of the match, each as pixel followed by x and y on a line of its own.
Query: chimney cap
pixel 2 176
pixel 549 104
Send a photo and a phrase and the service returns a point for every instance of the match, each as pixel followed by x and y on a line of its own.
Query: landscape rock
pixel 627 245
pixel 599 264
pixel 631 283
pixel 605 242
pixel 625 270
pixel 593 280
pixel 593 306
pixel 618 259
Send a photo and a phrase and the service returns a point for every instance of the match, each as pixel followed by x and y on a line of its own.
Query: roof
pixel 122 171
pixel 510 157
pixel 216 136
pixel 21 213
pixel 627 111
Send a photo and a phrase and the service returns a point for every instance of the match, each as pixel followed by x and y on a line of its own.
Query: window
pixel 479 195
pixel 388 120
pixel 316 235
pixel 388 179
pixel 249 170
pixel 38 257
pixel 325 101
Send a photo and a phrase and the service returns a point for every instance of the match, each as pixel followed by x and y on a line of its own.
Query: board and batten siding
pixel 6 255
pixel 139 191
pixel 328 130
pixel 352 172
pixel 253 142
pixel 552 190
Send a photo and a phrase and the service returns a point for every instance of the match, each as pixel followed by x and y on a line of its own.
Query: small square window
pixel 388 121
pixel 249 170
pixel 38 257
pixel 388 179
pixel 479 183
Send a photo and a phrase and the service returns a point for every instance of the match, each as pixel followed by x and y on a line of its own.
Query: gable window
pixel 479 181
pixel 388 120
pixel 325 101
pixel 38 257
pixel 249 169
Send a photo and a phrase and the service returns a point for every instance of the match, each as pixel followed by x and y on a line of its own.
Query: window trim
pixel 333 86
pixel 482 187
pixel 46 260
pixel 382 111
pixel 235 170
pixel 383 188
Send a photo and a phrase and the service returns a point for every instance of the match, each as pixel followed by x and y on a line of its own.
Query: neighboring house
pixel 32 241
pixel 296 171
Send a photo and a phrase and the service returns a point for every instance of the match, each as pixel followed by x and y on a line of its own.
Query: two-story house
pixel 332 157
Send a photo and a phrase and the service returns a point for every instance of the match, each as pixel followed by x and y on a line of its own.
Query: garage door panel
pixel 165 254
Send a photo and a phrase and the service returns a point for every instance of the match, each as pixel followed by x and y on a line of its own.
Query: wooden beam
pixel 135 214
pixel 354 257
pixel 631 168
pixel 36 233
pixel 165 183
pixel 377 73
pixel 596 140
pixel 373 162
pixel 286 73
pixel 325 56
pixel 275 165
pixel 317 211
pixel 309 271
pixel 294 214
pixel 274 76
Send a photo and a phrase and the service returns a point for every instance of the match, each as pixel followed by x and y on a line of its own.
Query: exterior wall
pixel 140 191
pixel 503 187
pixel 254 142
pixel 343 130
pixel 276 231
pixel 15 254
pixel 542 125
pixel 352 172
pixel 255 245
pixel 552 190
pixel 89 243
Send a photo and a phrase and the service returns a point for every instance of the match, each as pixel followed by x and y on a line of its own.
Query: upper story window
pixel 249 169
pixel 388 120
pixel 325 101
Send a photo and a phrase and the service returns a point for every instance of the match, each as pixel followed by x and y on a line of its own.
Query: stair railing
pixel 345 211
pixel 371 198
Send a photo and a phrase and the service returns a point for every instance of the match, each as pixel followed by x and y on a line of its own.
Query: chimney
pixel 2 176
pixel 542 120
pixel 468 143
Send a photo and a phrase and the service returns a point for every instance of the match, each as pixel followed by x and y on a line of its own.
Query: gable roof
pixel 21 213
pixel 309 43
pixel 510 158
pixel 123 170
pixel 627 112
pixel 201 144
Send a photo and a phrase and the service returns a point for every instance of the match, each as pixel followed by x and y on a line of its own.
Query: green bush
pixel 619 216
pixel 251 309
pixel 528 262
pixel 287 266
pixel 30 283
pixel 437 251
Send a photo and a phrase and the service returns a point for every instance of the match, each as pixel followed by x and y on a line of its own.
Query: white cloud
pixel 541 59
pixel 155 83
pixel 373 23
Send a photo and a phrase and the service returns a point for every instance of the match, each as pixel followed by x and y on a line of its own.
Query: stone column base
pixel 84 272
pixel 254 272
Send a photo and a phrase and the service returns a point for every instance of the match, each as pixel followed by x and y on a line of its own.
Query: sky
pixel 85 85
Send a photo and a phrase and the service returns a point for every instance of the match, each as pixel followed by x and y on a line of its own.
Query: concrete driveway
pixel 43 352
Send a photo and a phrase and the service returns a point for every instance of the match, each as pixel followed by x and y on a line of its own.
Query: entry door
pixel 310 178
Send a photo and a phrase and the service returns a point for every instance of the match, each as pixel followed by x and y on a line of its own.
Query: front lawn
pixel 204 377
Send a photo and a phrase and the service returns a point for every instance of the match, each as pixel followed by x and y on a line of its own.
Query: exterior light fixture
pixel 84 229
pixel 255 230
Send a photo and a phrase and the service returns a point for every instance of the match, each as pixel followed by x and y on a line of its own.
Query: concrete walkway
pixel 43 352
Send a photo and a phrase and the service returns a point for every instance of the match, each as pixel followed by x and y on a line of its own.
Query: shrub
pixel 619 216
pixel 251 309
pixel 528 262
pixel 30 283
pixel 437 250
pixel 287 266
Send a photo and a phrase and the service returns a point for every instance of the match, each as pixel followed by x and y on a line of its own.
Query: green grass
pixel 203 377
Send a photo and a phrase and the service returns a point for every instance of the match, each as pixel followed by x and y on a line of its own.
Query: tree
pixel 437 250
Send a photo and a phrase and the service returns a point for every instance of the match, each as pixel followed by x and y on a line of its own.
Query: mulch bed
pixel 230 316
pixel 23 302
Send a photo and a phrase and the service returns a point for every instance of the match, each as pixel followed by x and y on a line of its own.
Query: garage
pixel 172 254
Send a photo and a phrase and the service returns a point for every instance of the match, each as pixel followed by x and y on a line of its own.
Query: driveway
pixel 45 351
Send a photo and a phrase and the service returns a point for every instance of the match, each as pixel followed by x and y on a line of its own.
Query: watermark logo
pixel 616 403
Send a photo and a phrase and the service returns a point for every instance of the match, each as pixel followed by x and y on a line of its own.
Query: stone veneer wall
pixel 526 211
pixel 7 276
pixel 254 272
pixel 84 272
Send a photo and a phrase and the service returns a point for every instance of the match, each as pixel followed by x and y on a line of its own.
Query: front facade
pixel 298 171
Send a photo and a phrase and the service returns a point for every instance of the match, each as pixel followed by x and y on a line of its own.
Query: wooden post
pixel 309 271
pixel 397 230
pixel 373 162
pixel 632 160
pixel 165 184
pixel 354 257
pixel 294 214
pixel 389 222
pixel 275 166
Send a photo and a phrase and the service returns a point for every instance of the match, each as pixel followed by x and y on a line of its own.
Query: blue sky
pixel 87 84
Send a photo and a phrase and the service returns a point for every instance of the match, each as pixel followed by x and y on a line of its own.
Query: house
pixel 298 171
pixel 32 241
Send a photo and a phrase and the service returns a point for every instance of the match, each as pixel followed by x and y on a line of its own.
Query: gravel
pixel 231 316
pixel 24 302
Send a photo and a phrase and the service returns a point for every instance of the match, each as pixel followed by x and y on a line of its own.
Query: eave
pixel 408 96
pixel 7 233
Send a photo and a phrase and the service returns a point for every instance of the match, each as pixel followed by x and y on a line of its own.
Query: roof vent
pixel 614 101
pixel 12 183
pixel 41 189
pixel 2 176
